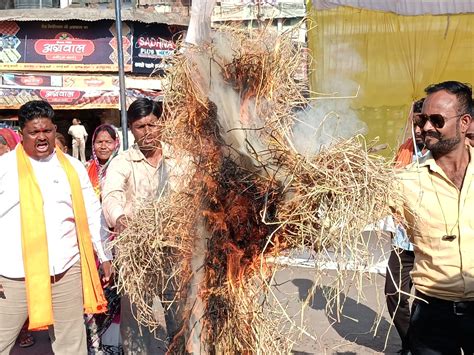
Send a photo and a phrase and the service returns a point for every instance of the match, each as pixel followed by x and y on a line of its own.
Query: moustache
pixel 432 134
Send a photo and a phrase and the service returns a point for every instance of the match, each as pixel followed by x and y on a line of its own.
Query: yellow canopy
pixel 391 57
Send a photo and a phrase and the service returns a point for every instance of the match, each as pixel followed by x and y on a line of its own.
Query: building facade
pixel 65 52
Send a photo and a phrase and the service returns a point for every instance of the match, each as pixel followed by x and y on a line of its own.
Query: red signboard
pixel 62 46
pixel 69 49
pixel 59 96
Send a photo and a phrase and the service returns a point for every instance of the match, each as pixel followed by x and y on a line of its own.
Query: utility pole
pixel 121 70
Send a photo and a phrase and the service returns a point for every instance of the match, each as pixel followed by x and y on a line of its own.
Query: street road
pixel 363 328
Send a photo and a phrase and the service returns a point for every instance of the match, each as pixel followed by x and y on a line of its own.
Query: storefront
pixel 73 65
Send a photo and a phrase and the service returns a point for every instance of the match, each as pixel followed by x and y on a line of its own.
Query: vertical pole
pixel 123 103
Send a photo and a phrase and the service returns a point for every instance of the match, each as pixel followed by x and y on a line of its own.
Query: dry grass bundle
pixel 149 254
pixel 248 76
pixel 229 199
pixel 332 197
pixel 251 325
pixel 329 201
pixel 231 106
pixel 263 67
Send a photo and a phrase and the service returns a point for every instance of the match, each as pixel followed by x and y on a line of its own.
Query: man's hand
pixel 120 224
pixel 107 273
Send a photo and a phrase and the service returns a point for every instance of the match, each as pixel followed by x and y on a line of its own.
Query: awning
pixel 177 17
pixel 403 7
pixel 70 92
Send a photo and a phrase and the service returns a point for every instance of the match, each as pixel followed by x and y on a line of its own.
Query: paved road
pixel 353 334
pixel 41 346
pixel 364 327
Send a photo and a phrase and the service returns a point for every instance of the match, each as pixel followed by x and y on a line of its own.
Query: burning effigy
pixel 249 194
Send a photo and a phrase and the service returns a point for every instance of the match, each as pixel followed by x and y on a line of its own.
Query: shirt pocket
pixel 430 229
pixel 57 191
pixel 444 238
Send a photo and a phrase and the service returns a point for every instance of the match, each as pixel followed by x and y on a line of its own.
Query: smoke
pixel 238 118
pixel 330 118
pixel 323 123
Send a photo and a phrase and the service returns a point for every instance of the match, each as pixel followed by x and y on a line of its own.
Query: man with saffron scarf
pixel 47 267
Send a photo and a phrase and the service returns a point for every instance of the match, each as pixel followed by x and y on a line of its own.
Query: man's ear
pixel 465 122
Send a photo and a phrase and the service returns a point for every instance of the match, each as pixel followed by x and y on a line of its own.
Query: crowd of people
pixel 55 265
pixel 59 213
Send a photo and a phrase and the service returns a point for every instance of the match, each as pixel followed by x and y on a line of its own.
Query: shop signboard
pixel 66 91
pixel 62 46
pixel 152 43
pixel 78 81
pixel 61 91
pixel 59 98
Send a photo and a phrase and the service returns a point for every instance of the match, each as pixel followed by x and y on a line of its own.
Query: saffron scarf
pixel 405 154
pixel 35 244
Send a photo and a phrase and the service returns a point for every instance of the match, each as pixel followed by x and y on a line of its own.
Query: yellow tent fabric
pixel 391 57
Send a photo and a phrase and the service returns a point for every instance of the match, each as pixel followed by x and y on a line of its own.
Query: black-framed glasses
pixel 437 120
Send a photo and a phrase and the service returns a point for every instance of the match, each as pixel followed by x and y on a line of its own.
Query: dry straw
pixel 231 105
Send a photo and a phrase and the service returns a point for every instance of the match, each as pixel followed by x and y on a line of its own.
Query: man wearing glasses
pixel 438 193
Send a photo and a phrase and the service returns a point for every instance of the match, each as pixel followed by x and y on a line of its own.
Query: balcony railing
pixel 44 4
pixel 29 4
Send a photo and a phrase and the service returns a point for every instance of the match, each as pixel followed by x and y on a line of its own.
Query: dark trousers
pixel 400 263
pixel 441 327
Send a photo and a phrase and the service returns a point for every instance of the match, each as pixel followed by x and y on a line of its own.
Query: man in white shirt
pixel 134 176
pixel 79 138
pixel 51 173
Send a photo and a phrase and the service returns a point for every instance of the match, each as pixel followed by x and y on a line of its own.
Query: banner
pixel 152 43
pixel 62 46
pixel 66 91
pixel 13 98
pixel 69 99
pixel 88 82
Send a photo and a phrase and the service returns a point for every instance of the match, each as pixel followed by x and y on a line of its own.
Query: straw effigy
pixel 250 195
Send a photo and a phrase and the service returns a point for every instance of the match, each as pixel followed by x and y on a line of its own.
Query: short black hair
pixel 462 91
pixel 34 109
pixel 143 107
pixel 418 105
